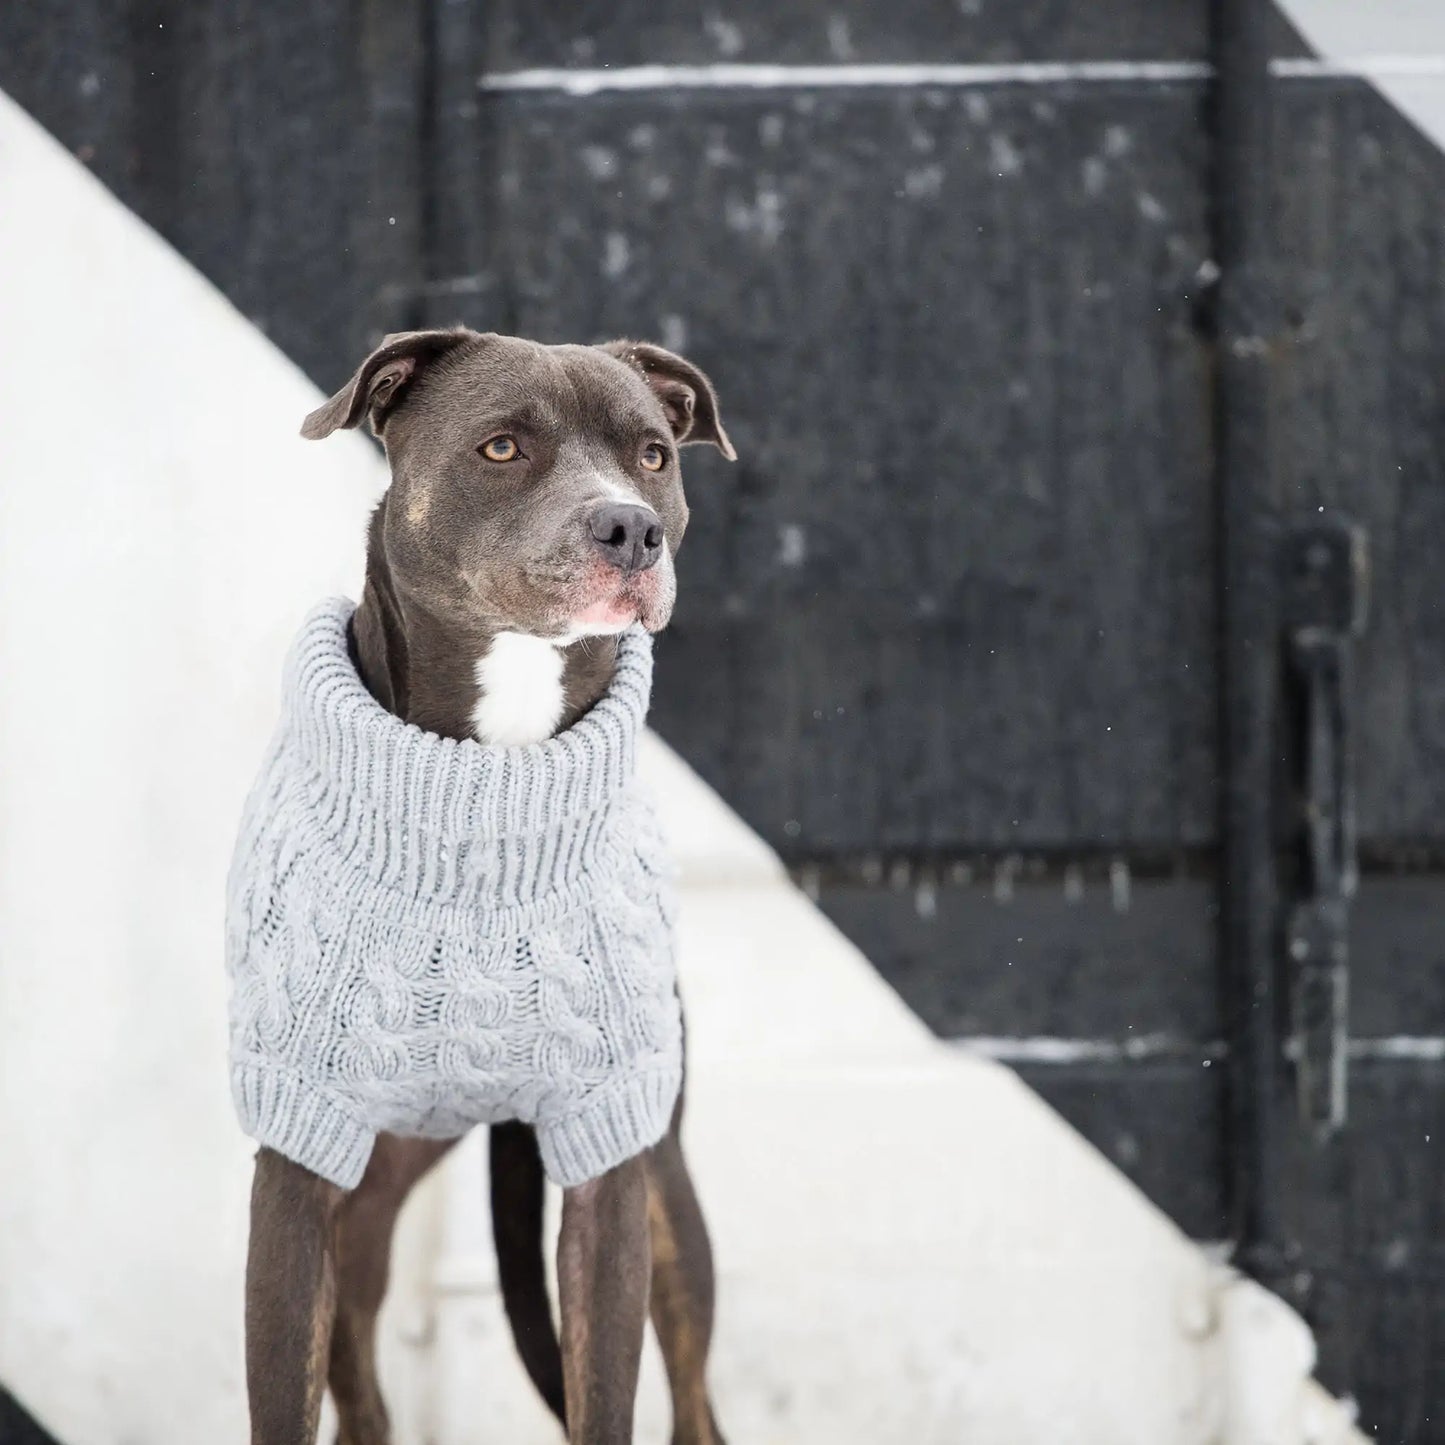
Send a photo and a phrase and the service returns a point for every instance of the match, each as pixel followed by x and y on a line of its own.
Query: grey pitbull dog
pixel 534 512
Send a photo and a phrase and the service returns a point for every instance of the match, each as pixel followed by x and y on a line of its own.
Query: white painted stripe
pixel 1053 1050
pixel 1050 1049
pixel 781 77
pixel 584 82
pixel 1403 1046
pixel 1364 67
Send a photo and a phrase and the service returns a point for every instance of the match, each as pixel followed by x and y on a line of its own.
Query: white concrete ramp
pixel 1398 46
pixel 162 528
pixel 911 1247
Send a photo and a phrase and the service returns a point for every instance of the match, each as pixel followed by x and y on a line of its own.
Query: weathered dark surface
pixel 1160 1121
pixel 1362 402
pixel 1132 963
pixel 1025 965
pixel 958 598
pixel 1104 995
pixel 276 146
pixel 1370 1211
pixel 636 32
pixel 1360 408
pixel 1397 957
pixel 914 617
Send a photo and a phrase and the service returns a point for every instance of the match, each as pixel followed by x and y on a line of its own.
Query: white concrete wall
pixel 911 1246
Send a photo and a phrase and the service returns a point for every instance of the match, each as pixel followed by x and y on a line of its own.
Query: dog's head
pixel 535 489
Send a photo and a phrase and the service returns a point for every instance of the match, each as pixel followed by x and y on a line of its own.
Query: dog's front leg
pixel 365 1221
pixel 604 1268
pixel 290 1299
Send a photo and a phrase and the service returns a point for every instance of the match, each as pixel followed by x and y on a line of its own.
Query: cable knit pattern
pixel 425 934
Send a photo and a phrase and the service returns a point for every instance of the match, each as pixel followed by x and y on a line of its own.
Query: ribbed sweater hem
pixel 285 1112
pixel 615 1125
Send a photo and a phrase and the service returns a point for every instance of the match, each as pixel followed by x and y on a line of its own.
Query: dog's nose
pixel 629 536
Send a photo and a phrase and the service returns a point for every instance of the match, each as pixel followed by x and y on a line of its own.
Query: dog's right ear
pixel 381 379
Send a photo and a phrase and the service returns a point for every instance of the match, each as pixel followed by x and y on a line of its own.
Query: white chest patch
pixel 520 678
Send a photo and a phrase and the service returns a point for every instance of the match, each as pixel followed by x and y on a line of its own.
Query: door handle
pixel 1325 594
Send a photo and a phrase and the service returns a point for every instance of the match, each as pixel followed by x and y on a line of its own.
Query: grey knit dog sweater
pixel 425 934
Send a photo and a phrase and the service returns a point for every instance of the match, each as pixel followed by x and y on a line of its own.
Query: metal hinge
pixel 1325 590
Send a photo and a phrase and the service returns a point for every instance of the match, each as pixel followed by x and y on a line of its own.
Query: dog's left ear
pixel 683 389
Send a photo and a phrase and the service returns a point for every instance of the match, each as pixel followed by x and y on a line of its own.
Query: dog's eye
pixel 500 449
pixel 653 457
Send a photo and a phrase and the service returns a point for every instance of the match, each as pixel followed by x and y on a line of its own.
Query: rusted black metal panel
pixel 1100 988
pixel 1369 1211
pixel 635 32
pixel 276 146
pixel 466 247
pixel 912 616
pixel 1127 964
pixel 1397 956
pixel 1360 408
pixel 1362 404
pixel 1160 1121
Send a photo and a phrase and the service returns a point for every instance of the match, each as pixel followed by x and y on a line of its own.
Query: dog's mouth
pixel 616 604
pixel 591 601
pixel 611 614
